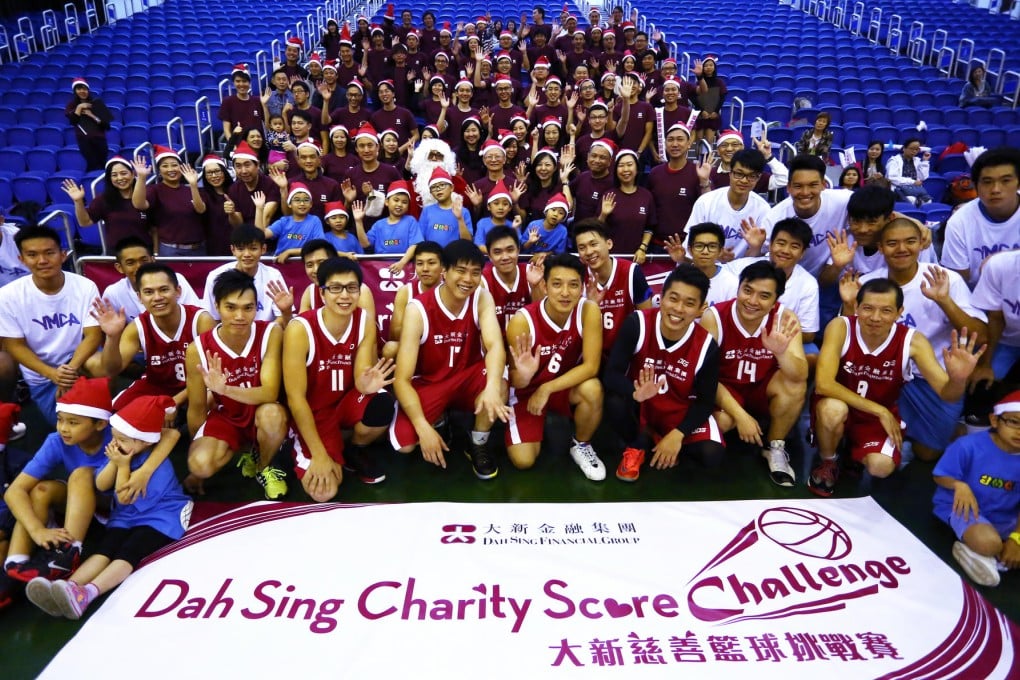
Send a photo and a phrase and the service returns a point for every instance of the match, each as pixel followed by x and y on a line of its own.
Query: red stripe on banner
pixel 827 605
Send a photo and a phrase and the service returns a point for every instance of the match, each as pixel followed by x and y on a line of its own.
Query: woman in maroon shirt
pixel 257 141
pixel 629 210
pixel 543 183
pixel 337 163
pixel 113 206
pixel 174 204
pixel 216 182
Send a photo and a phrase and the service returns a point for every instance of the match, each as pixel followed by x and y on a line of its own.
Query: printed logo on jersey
pixel 57 320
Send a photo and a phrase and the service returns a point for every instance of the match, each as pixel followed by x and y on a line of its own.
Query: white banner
pixel 652 590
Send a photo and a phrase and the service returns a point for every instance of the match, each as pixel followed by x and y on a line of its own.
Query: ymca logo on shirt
pixel 986 251
pixel 57 320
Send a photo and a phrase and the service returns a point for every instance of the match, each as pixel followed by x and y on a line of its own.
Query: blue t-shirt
pixel 54 454
pixel 291 234
pixel 991 473
pixel 485 225
pixel 348 244
pixel 164 507
pixel 549 241
pixel 394 239
pixel 439 225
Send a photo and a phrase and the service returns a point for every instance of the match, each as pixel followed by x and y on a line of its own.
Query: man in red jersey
pixel 762 370
pixel 334 382
pixel 556 347
pixel 512 284
pixel 451 355
pixel 863 363
pixel 428 272
pixel 239 362
pixel 662 377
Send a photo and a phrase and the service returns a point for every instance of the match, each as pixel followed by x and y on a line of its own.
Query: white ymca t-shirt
pixel 122 294
pixel 971 237
pixel 10 266
pixel 924 314
pixel 51 325
pixel 266 308
pixel 715 207
pixel 800 296
pixel 830 218
pixel 723 286
pixel 998 291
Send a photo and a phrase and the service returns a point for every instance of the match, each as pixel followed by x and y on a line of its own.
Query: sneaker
pixel 981 569
pixel 40 593
pixel 779 463
pixel 24 572
pixel 822 481
pixel 249 464
pixel 273 481
pixel 367 467
pixel 586 458
pixel 630 466
pixel 482 462
pixel 70 598
pixel 62 561
pixel 18 431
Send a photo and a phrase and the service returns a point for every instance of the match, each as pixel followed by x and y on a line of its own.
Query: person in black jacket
pixel 91 119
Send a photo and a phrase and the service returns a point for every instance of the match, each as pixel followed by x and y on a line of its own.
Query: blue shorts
pixel 930 421
pixel 960 525
pixel 44 394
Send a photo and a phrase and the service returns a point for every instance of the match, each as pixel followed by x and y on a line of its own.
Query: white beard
pixel 421 167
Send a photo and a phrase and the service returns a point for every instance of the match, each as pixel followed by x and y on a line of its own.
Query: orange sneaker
pixel 630 467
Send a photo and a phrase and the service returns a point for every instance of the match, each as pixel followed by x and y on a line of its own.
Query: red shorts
pixel 457 392
pixel 330 426
pixel 659 423
pixel 141 388
pixel 219 427
pixel 526 428
pixel 752 398
pixel 864 434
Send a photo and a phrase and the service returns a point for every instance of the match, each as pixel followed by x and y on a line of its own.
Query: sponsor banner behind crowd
pixel 650 590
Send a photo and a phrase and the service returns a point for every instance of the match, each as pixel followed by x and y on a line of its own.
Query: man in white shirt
pixel 704 243
pixel 44 319
pixel 992 222
pixel 275 298
pixel 998 296
pixel 937 303
pixel 131 253
pixel 907 172
pixel 10 265
pixel 730 207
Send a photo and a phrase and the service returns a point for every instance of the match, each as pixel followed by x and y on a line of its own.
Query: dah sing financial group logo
pixel 751 578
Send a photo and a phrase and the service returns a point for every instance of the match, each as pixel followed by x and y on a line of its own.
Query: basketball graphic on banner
pixel 805 532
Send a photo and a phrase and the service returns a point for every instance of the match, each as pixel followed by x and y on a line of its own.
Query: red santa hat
pixel 88 397
pixel 579 31
pixel 625 152
pixel 548 151
pixel 679 126
pixel 308 143
pixel 413 33
pixel 504 56
pixel 334 208
pixel 517 117
pixel 557 200
pixel 240 69
pixel 489 145
pixel 670 80
pixel 506 33
pixel 120 159
pixel 337 126
pixel 213 159
pixel 388 83
pixel 551 120
pixel 79 81
pixel 1008 404
pixel 442 54
pixel 729 135
pixel 244 152
pixel 389 12
pixel 295 41
pixel 376 28
pixel 554 80
pixel 482 20
pixel 628 55
pixel 628 26
pixel 506 136
pixel 710 57
pixel 607 75
pixel 599 104
pixel 143 418
pixel 368 131
pixel 399 187
pixel 445 29
pixel 389 131
pixel 607 144
pixel 439 176
pixel 329 64
pixel 314 58
pixel 345 34
pixel 161 152
pixel 499 191
pixel 596 28
pixel 470 119
pixel 669 60
pixel 541 62
pixel 357 83
pixel 297 188
pixel 464 81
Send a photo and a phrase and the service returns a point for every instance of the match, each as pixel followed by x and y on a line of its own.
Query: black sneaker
pixel 482 462
pixel 51 563
pixel 359 461
pixel 822 481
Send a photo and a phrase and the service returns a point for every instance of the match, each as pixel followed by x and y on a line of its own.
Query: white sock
pixel 15 559
pixel 479 437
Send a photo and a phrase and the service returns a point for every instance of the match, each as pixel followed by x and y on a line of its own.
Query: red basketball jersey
pixel 679 362
pixel 314 296
pixel 330 360
pixel 242 370
pixel 743 359
pixel 508 299
pixel 164 356
pixel 450 343
pixel 561 348
pixel 875 375
pixel 617 302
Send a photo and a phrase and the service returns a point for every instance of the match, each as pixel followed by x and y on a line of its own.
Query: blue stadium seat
pixel 54 185
pixel 969 136
pixel 49 135
pixel 6 194
pixel 69 159
pixel 980 118
pixel 956 116
pixel 853 98
pixel 856 135
pixel 30 187
pixel 879 115
pixel 854 115
pixel 134 114
pixel 828 98
pixel 954 162
pixel 931 115
pixel 29 114
pixel 41 160
pixel 922 98
pixel 936 186
pixel 936 212
pixel 992 138
pixel 132 136
pixel 12 159
pixel 903 116
pixel 54 115
pixel 938 136
pixel 8 116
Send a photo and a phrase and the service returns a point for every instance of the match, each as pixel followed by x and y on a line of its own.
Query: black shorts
pixel 132 545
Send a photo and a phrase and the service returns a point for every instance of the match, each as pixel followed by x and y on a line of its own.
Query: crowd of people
pixel 827 288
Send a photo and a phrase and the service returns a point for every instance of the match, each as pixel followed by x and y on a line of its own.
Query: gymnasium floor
pixel 29 638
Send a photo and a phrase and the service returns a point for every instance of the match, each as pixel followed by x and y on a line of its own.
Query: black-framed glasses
pixel 337 288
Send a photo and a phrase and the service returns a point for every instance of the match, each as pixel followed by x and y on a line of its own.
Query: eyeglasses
pixel 300 199
pixel 1010 422
pixel 337 288
pixel 704 247
pixel 731 145
pixel 744 176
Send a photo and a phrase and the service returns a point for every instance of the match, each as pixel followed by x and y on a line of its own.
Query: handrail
pixel 734 102
pixel 206 128
pixel 177 123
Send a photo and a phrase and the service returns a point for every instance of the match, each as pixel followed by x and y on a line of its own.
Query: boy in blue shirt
pixel 978 495
pixel 446 220
pixel 149 511
pixel 499 203
pixel 337 233
pixel 549 235
pixel 398 233
pixel 77 447
pixel 291 231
